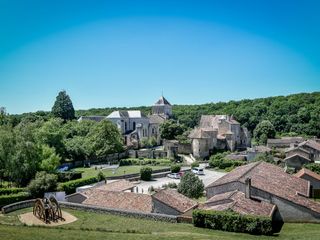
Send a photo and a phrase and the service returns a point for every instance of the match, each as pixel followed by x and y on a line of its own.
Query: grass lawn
pixel 91 172
pixel 105 226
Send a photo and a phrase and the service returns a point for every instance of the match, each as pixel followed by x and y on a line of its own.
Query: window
pixel 134 125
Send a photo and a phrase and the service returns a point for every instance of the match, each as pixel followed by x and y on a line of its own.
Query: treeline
pixel 296 114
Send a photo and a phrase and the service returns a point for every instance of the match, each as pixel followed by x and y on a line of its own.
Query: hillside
pixel 293 114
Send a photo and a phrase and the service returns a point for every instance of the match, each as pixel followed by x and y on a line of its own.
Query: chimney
pixel 248 188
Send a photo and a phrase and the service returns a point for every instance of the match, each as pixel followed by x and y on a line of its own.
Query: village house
pixel 314 180
pixel 303 153
pixel 218 132
pixel 135 125
pixel 265 182
pixel 284 142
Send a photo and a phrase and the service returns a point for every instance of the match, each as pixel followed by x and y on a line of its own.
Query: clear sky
pixel 125 53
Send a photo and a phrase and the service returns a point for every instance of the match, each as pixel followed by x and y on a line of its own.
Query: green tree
pixel 63 107
pixel 170 130
pixel 42 183
pixel 104 138
pixel 263 131
pixel 146 173
pixel 49 159
pixel 191 185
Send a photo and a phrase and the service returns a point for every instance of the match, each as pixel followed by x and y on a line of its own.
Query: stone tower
pixel 162 107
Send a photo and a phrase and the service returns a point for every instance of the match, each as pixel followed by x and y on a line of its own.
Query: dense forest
pixel 297 114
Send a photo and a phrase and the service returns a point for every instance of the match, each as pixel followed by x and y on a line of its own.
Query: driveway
pixel 208 177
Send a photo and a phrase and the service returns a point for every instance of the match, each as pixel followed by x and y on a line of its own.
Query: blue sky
pixel 125 53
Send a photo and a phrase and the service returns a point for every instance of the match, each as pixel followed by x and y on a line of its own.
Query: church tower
pixel 162 107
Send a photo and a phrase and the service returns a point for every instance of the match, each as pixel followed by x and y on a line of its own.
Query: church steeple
pixel 162 107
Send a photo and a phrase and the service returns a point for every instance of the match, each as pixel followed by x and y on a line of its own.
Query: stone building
pixel 135 125
pixel 218 132
pixel 265 182
pixel 314 180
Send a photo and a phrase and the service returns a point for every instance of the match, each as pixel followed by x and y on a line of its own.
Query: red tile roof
pixel 274 180
pixel 312 144
pixel 237 201
pixel 120 185
pixel 119 200
pixel 175 200
pixel 307 172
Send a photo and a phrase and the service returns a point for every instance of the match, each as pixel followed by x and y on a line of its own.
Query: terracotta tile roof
pixel 175 200
pixel 312 144
pixel 120 185
pixel 119 200
pixel 307 172
pixel 274 180
pixel 237 201
pixel 285 140
pixel 297 155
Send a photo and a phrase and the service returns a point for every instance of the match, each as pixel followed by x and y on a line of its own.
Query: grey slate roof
pixel 162 101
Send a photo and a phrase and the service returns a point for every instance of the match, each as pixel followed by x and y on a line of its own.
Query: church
pixel 135 125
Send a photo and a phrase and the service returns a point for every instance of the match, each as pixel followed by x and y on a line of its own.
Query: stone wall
pixel 147 153
pixel 96 209
pixel 160 207
pixel 18 205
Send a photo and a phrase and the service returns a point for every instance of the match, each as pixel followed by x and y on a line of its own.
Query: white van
pixel 198 171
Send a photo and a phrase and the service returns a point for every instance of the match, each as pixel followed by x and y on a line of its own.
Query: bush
pixel 170 185
pixel 8 191
pixel 219 161
pixel 12 198
pixel 146 173
pixel 42 183
pixel 195 164
pixel 125 162
pixel 175 168
pixel 191 185
pixel 233 222
pixel 101 176
pixel 68 176
pixel 314 167
pixel 71 186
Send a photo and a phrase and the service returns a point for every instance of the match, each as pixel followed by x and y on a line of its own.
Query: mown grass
pixel 91 172
pixel 106 226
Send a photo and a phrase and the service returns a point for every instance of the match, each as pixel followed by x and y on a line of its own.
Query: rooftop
pixel 162 101
pixel 127 114
pixel 199 133
pixel 120 185
pixel 307 172
pixel 236 201
pixel 175 200
pixel 312 144
pixel 274 180
pixel 119 200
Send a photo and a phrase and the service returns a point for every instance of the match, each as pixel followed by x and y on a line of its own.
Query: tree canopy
pixel 263 131
pixel 63 107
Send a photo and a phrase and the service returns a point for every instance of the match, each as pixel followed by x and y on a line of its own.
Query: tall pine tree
pixel 63 107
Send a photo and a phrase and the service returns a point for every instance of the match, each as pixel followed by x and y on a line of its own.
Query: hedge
pixel 136 161
pixel 12 198
pixel 232 222
pixel 225 163
pixel 146 173
pixel 7 191
pixel 71 186
pixel 68 176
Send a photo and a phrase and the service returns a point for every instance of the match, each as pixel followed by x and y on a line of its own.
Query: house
pixel 135 125
pixel 314 180
pixel 284 142
pixel 313 147
pixel 256 151
pixel 269 183
pixel 118 186
pixel 218 132
pixel 296 157
pixel 169 201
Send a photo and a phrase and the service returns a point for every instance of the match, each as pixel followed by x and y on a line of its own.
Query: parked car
pixel 198 171
pixel 174 175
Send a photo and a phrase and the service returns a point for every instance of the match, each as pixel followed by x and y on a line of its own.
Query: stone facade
pixel 135 125
pixel 218 132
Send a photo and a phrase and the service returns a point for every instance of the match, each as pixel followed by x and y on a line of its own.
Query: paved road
pixel 209 177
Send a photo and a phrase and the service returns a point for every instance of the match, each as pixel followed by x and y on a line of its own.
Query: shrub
pixel 170 185
pixel 42 183
pixel 68 176
pixel 8 191
pixel 71 186
pixel 175 168
pixel 101 176
pixel 125 162
pixel 219 161
pixel 12 198
pixel 195 164
pixel 146 173
pixel 191 186
pixel 233 222
pixel 314 167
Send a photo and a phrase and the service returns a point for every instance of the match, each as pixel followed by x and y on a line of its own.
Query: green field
pixel 91 172
pixel 105 226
